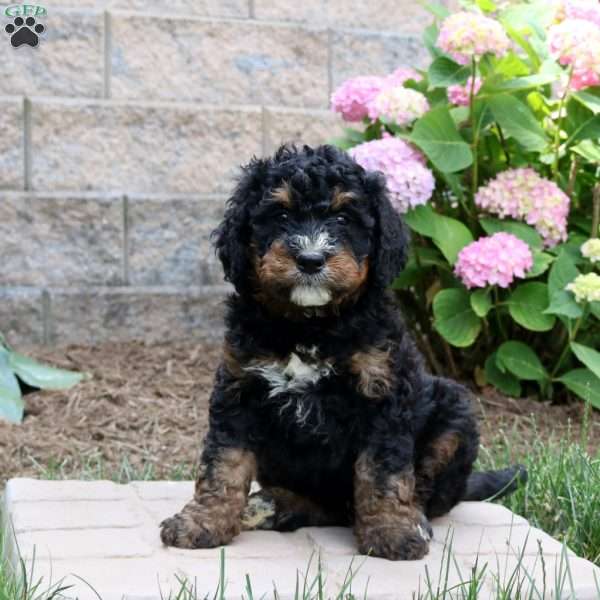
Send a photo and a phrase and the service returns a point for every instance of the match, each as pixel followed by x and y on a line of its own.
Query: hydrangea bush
pixel 492 155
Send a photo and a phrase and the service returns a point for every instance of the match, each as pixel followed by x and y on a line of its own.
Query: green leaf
pixel 518 84
pixel 588 130
pixel 562 303
pixel 444 72
pixel 541 263
pixel 518 122
pixel 589 100
pixel 481 302
pixel 454 318
pixel 448 234
pixel 522 361
pixel 589 150
pixel 436 134
pixel 506 382
pixel 11 400
pixel 486 5
pixel 437 10
pixel 409 277
pixel 588 356
pixel 583 383
pixel 511 65
pixel 595 309
pixel 527 304
pixel 563 271
pixel 42 376
pixel 524 232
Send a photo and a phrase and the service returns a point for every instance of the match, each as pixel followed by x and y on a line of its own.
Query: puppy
pixel 321 395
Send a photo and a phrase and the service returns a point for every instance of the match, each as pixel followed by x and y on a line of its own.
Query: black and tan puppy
pixel 321 395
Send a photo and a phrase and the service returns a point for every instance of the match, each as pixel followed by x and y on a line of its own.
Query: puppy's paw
pixel 182 531
pixel 396 541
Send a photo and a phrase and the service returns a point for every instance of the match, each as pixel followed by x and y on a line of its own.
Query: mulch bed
pixel 148 404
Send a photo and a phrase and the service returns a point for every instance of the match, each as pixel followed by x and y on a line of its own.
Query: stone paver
pixel 107 535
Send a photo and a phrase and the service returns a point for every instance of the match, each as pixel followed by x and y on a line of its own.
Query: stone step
pixel 89 315
pixel 102 538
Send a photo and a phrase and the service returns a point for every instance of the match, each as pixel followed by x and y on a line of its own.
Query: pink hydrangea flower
pixel 523 194
pixel 493 260
pixel 409 181
pixel 402 74
pixel 467 34
pixel 587 10
pixel 575 43
pixel 399 104
pixel 353 98
pixel 459 95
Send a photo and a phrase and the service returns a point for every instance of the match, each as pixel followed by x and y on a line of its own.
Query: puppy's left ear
pixel 392 238
pixel 232 237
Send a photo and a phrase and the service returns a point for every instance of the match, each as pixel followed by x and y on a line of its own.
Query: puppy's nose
pixel 310 262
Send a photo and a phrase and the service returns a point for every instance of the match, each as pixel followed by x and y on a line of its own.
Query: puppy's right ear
pixel 232 236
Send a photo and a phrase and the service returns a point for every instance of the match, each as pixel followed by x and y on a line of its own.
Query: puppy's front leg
pixel 388 522
pixel 213 517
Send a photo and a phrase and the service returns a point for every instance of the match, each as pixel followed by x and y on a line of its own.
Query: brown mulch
pixel 147 404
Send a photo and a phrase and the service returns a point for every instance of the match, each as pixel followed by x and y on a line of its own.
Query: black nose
pixel 310 262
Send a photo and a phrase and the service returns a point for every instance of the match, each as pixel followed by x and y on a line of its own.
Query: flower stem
pixel 474 128
pixel 559 123
pixel 567 347
pixel 596 212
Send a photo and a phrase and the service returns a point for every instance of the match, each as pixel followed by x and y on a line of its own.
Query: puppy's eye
pixel 341 219
pixel 283 215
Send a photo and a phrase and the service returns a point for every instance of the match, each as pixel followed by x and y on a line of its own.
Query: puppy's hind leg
pixel 279 509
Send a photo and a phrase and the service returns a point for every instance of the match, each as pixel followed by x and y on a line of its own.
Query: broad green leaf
pixel 436 134
pixel 409 277
pixel 454 318
pixel 518 84
pixel 506 382
pixel 448 234
pixel 481 302
pixel 541 263
pixel 588 356
pixel 588 130
pixel 562 303
pixel 589 150
pixel 42 376
pixel 444 72
pixel 11 400
pixel 583 383
pixel 562 272
pixel 527 304
pixel 486 5
pixel 595 309
pixel 522 361
pixel 437 10
pixel 518 122
pixel 511 65
pixel 430 36
pixel 589 100
pixel 524 232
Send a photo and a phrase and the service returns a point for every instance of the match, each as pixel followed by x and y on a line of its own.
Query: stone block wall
pixel 120 135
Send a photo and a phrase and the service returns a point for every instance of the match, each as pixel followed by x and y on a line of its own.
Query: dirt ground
pixel 148 404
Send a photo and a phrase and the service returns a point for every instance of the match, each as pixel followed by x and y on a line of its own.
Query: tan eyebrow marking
pixel 340 197
pixel 283 195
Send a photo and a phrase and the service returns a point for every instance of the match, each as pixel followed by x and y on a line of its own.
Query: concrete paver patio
pixel 107 535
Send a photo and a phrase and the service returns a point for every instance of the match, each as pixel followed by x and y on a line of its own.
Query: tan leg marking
pixel 374 372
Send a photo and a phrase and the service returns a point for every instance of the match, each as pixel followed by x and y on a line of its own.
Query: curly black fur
pixel 382 463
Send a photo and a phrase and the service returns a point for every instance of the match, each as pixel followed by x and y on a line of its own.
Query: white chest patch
pixel 295 376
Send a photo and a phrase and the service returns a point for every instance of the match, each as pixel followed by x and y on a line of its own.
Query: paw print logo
pixel 24 32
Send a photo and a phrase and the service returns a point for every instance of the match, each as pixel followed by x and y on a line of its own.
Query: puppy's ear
pixel 392 238
pixel 232 237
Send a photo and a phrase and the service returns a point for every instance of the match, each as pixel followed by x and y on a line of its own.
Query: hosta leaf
pixel 522 361
pixel 563 303
pixel 583 383
pixel 524 232
pixel 444 72
pixel 527 304
pixel 506 382
pixel 11 400
pixel 481 302
pixel 42 376
pixel 454 318
pixel 436 134
pixel 588 356
pixel 518 122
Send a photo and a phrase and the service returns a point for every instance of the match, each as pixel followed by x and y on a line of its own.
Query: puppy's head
pixel 310 228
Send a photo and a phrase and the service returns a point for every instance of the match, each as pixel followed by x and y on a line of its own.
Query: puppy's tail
pixel 489 485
